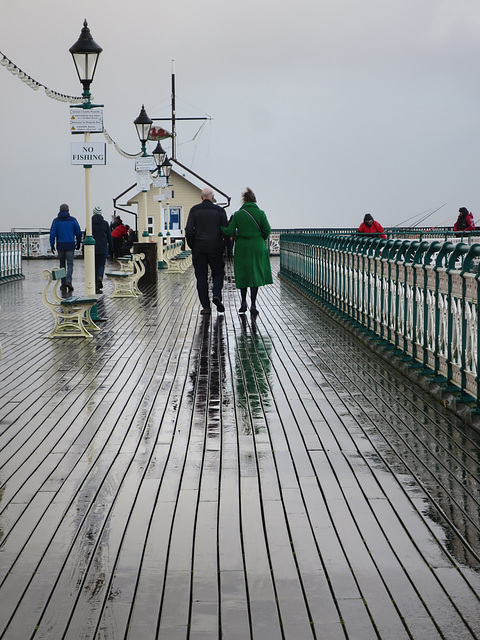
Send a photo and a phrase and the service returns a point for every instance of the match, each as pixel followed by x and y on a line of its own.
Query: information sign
pixel 143 180
pixel 145 163
pixel 86 120
pixel 161 182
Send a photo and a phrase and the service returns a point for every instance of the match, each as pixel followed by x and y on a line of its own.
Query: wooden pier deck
pixel 189 477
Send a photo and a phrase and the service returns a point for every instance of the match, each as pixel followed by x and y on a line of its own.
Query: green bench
pixel 72 315
pixel 126 280
pixel 177 260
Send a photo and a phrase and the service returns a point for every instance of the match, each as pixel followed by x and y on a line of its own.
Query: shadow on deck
pixel 182 477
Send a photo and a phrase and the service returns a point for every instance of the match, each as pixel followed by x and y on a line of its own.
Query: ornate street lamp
pixel 85 53
pixel 143 125
pixel 166 168
pixel 159 155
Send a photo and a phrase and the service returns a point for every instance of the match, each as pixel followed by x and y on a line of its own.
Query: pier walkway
pixel 194 478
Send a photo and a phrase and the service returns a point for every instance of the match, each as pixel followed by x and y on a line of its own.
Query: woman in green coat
pixel 251 261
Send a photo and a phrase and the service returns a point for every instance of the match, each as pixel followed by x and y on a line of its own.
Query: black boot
pixel 243 302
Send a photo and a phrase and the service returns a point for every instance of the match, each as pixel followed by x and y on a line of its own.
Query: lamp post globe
pixel 166 168
pixel 85 53
pixel 159 155
pixel 143 125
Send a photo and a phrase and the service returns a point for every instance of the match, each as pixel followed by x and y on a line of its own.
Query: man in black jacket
pixel 205 239
pixel 103 246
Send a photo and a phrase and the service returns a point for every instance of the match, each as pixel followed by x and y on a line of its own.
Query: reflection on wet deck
pixel 187 477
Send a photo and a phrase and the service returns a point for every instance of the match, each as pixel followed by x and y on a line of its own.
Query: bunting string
pixel 33 84
pixel 120 151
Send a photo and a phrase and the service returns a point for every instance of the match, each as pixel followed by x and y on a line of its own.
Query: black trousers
pixel 201 262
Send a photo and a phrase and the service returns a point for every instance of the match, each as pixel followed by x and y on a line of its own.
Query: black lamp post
pixel 159 155
pixel 85 53
pixel 143 125
pixel 166 167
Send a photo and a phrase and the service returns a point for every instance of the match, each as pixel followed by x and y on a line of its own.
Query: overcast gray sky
pixel 326 109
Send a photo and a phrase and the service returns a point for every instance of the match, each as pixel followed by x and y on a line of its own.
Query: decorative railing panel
pixel 10 257
pixel 421 296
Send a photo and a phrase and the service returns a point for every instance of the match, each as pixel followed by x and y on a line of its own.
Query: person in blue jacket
pixel 66 231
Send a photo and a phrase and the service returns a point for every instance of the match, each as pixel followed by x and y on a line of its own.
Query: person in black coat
pixel 128 244
pixel 205 239
pixel 103 246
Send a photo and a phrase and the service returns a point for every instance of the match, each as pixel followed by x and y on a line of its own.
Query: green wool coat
pixel 251 262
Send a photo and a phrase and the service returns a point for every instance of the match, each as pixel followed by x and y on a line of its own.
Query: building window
pixel 150 225
pixel 175 217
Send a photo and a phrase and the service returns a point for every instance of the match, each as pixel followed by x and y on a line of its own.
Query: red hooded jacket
pixel 464 223
pixel 376 227
pixel 119 231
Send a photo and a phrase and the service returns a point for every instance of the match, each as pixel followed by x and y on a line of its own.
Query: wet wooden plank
pixel 265 619
pixel 295 614
pixel 356 556
pixel 319 597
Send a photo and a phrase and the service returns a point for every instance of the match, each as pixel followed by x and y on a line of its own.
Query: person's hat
pixel 368 217
pixel 64 207
pixel 97 210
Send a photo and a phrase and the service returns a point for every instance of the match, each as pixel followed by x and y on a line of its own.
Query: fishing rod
pixel 419 214
pixel 427 216
pixel 441 224
pixel 400 224
pixel 419 222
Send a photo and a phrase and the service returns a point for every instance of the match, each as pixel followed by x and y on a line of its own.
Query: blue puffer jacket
pixel 66 230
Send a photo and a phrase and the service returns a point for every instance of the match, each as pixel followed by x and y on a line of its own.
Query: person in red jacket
pixel 464 221
pixel 371 226
pixel 118 235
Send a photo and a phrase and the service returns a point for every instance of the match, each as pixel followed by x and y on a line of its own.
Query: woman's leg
pixel 243 304
pixel 253 298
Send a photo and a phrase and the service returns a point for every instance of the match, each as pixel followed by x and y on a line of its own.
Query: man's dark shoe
pixel 254 310
pixel 219 304
pixel 243 308
pixel 206 312
pixel 69 286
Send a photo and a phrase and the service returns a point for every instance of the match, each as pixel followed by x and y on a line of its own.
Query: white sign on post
pixel 160 181
pixel 143 180
pixel 88 153
pixel 86 120
pixel 145 163
pixel 158 198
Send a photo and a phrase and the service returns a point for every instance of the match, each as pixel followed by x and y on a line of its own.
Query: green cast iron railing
pixel 418 297
pixel 10 257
